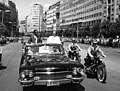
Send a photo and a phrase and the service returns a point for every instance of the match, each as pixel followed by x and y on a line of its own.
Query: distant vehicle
pixel 47 64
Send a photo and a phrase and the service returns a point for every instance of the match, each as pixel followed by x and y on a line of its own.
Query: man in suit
pixel 35 38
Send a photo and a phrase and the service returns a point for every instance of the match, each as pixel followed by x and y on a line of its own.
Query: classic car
pixel 48 64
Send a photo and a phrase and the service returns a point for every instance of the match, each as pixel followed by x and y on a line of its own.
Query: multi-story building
pixel 118 9
pixel 13 19
pixel 112 10
pixel 76 11
pixel 88 12
pixel 52 17
pixel 6 2
pixel 9 17
pixel 22 28
pixel 34 21
pixel 29 23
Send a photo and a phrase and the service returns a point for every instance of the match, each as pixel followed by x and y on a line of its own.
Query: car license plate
pixel 52 83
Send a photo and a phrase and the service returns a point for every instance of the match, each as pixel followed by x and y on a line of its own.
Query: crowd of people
pixel 106 42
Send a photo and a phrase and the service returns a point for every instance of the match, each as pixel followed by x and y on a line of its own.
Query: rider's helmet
pixel 73 40
pixel 95 42
pixel 73 47
pixel 35 32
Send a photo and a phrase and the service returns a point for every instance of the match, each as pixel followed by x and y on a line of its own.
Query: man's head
pixel 54 49
pixel 35 32
pixel 94 43
pixel 74 41
pixel 54 33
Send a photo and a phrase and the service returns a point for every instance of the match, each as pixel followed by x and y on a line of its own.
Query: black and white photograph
pixel 59 45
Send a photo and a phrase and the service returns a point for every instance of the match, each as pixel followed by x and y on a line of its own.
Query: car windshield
pixel 45 49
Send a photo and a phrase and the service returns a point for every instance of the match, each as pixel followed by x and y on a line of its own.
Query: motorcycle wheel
pixel 101 74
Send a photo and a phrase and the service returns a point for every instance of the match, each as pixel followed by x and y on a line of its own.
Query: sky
pixel 24 6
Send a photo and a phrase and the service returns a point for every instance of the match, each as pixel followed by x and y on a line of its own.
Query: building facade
pixel 6 2
pixel 23 26
pixel 13 19
pixel 52 17
pixel 88 12
pixel 9 17
pixel 35 19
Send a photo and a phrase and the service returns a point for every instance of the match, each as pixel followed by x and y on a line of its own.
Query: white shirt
pixel 54 39
pixel 36 39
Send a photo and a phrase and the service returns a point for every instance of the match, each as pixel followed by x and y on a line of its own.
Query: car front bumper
pixel 27 83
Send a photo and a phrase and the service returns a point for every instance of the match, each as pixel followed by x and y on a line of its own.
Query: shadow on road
pixel 65 87
pixel 2 67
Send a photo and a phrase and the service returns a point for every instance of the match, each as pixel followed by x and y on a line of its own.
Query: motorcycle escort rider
pixel 74 47
pixel 93 51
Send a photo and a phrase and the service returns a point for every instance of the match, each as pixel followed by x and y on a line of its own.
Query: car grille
pixel 53 76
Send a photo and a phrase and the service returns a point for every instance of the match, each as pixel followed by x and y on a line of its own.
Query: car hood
pixel 54 61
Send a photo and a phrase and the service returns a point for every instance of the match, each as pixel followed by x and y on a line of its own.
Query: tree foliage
pixel 106 29
pixel 3 30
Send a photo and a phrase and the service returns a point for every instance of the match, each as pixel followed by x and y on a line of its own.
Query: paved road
pixel 9 76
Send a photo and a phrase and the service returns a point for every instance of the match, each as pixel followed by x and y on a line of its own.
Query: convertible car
pixel 48 64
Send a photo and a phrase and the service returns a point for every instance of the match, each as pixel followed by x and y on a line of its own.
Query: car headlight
pixel 74 71
pixel 81 71
pixel 23 50
pixel 30 74
pixel 23 74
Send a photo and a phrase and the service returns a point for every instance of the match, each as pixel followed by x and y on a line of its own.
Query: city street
pixel 11 59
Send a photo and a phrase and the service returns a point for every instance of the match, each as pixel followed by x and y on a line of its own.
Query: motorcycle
pixel 97 69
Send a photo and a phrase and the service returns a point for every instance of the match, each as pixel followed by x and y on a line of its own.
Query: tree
pixel 3 29
pixel 95 30
pixel 87 31
pixel 107 28
pixel 117 25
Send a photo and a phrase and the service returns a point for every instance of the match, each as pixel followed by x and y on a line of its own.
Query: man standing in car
pixel 35 38
pixel 54 39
